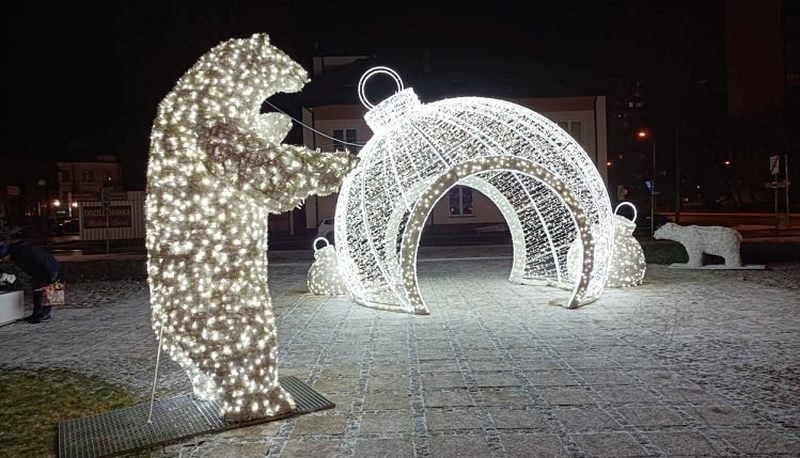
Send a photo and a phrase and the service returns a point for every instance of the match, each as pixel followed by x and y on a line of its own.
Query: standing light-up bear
pixel 217 169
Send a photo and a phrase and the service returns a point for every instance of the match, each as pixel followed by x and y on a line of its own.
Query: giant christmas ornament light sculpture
pixel 216 170
pixel 545 185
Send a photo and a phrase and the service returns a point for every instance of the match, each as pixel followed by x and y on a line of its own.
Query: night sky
pixel 84 79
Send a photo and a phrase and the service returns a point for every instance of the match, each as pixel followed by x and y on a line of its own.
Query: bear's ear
pixel 261 38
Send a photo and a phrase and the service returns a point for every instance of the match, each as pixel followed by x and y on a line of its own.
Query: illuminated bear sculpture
pixel 217 169
pixel 716 240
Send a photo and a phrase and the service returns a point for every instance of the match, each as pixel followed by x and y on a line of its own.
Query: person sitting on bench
pixel 40 265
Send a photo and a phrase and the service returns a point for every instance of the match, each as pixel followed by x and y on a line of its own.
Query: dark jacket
pixel 34 261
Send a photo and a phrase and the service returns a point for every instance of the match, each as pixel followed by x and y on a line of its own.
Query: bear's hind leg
pixel 695 257
pixel 733 259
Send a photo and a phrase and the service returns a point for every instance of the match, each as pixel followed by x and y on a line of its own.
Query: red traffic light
pixel 642 134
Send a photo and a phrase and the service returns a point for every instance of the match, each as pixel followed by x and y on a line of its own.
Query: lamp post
pixel 677 174
pixel 43 208
pixel 644 135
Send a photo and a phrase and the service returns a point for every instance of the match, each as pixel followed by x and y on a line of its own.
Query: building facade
pixel 763 76
pixel 85 181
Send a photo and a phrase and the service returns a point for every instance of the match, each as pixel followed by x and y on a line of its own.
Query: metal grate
pixel 175 419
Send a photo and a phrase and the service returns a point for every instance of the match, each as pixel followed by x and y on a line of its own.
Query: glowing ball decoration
pixel 544 184
pixel 628 264
pixel 217 169
pixel 323 276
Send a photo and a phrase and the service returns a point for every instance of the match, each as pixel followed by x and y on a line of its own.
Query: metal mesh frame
pixel 175 419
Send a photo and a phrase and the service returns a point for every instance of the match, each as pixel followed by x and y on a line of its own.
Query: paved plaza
pixel 691 363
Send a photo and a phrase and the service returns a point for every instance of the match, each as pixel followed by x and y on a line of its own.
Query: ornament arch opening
pixel 478 174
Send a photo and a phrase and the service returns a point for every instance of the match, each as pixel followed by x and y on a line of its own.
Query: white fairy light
pixel 217 169
pixel 544 184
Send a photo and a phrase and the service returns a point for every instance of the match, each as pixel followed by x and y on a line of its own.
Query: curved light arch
pixel 440 186
pixel 511 219
pixel 415 145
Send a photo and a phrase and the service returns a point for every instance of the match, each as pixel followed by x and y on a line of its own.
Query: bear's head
pixel 255 67
pixel 666 231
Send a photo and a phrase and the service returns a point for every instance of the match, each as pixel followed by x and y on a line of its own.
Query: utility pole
pixel 775 170
pixel 677 173
pixel 105 197
pixel 43 208
pixel 653 195
pixel 786 188
pixel 644 135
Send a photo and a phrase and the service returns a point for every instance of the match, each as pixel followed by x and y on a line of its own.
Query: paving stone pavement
pixel 689 364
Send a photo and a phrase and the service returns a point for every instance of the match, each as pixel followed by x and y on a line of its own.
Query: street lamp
pixel 643 135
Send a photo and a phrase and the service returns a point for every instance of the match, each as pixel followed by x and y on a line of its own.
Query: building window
pixel 64 176
pixel 88 175
pixel 461 201
pixel 342 136
pixel 573 128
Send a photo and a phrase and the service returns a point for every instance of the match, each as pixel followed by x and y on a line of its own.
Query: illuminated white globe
pixel 547 188
pixel 323 276
pixel 628 264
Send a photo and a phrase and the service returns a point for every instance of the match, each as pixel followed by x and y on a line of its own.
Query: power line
pixel 312 129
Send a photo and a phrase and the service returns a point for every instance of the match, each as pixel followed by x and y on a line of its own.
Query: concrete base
pixel 680 265
pixel 12 306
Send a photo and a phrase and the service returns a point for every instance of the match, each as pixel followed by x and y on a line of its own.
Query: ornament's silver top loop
pixel 635 213
pixel 317 240
pixel 369 74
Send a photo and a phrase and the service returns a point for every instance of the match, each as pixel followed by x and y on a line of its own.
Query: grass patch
pixel 33 403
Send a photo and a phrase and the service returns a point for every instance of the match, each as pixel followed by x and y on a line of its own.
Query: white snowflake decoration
pixel 217 169
pixel 545 185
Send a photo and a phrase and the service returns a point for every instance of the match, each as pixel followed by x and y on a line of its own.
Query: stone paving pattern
pixel 691 363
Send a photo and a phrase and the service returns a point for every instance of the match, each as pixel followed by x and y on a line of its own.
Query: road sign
pixel 774 165
pixel 105 195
